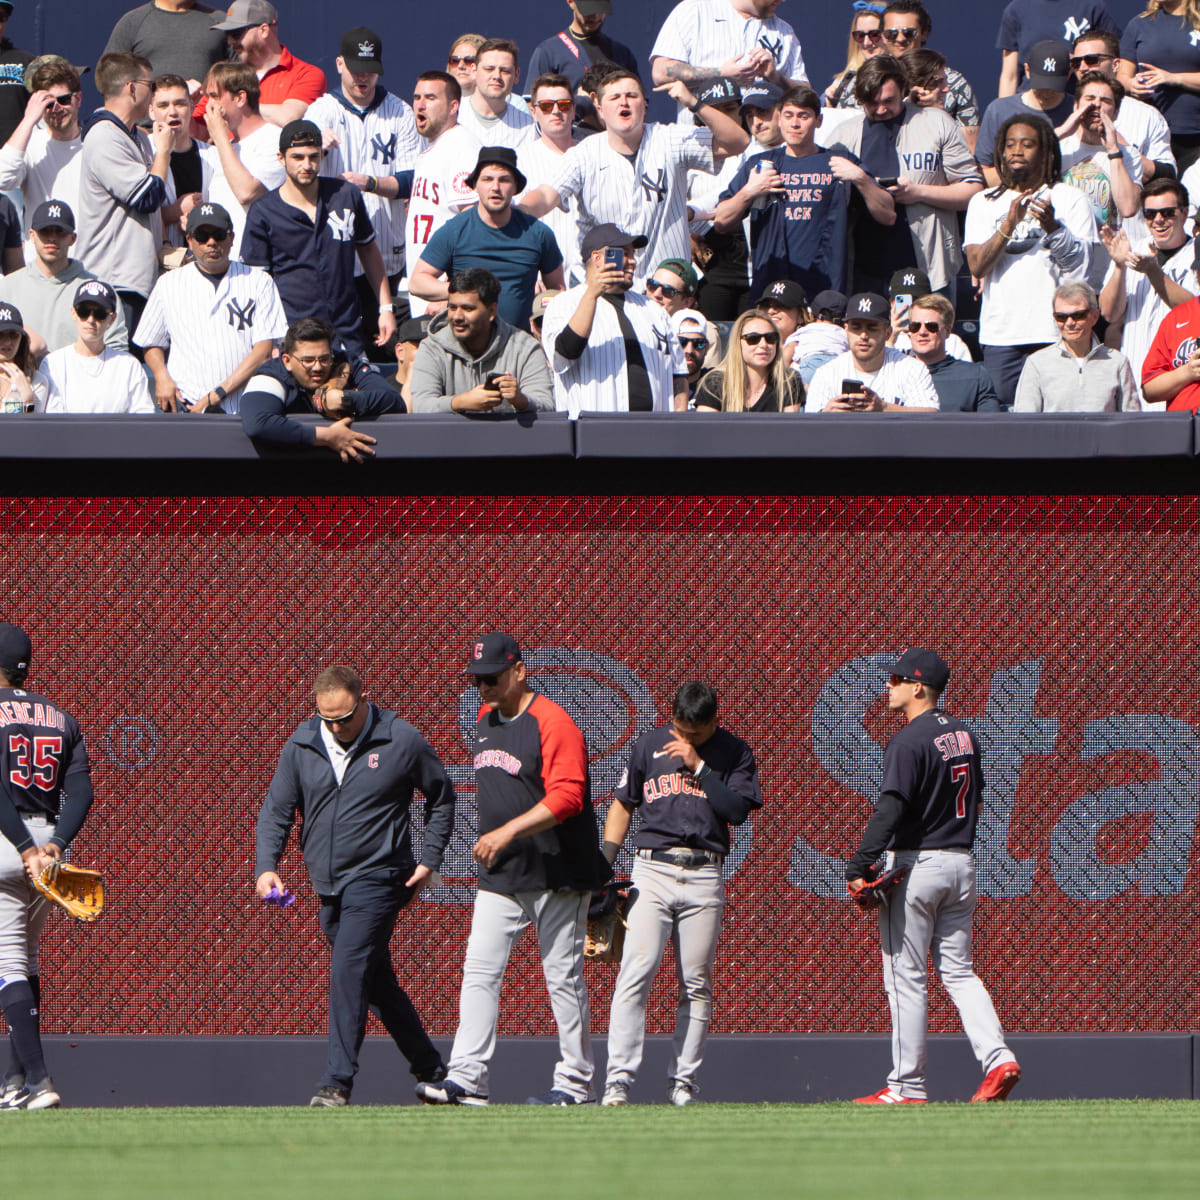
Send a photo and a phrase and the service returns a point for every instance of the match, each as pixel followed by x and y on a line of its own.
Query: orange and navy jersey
pixel 539 757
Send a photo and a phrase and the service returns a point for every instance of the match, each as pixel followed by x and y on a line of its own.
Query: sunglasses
pixel 928 326
pixel 205 234
pixel 64 101
pixel 698 343
pixel 485 680
pixel 653 285
pixel 1089 60
pixel 752 339
pixel 894 35
pixel 342 720
pixel 91 312
pixel 466 60
pixel 1167 214
pixel 548 106
pixel 867 35
pixel 897 680
pixel 1080 314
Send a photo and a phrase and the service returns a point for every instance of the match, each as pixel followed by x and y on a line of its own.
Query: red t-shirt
pixel 290 79
pixel 1178 338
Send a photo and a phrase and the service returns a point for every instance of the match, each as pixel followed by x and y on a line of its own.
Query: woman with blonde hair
pixel 755 375
pixel 866 40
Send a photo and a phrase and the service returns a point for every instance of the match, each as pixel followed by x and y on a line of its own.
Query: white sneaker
pixel 615 1095
pixel 681 1095
pixel 35 1096
pixel 10 1085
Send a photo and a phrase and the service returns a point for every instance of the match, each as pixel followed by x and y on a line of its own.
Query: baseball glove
pixel 606 921
pixel 77 890
pixel 878 888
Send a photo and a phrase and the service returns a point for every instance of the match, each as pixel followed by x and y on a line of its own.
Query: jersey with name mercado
pixel 41 747
pixel 674 807
pixel 539 757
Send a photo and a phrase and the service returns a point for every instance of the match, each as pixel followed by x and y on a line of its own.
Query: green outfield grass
pixel 1092 1149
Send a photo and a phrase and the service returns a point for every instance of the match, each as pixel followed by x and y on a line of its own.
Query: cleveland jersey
pixel 672 803
pixel 41 748
pixel 539 757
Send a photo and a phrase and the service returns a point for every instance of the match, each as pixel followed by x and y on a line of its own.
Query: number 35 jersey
pixel 41 747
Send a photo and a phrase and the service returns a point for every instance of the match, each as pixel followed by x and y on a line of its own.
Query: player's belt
pixel 683 857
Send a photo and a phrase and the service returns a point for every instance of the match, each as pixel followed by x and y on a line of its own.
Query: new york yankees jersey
pixel 439 188
pixel 708 33
pixel 379 140
pixel 210 330
pixel 259 154
pixel 597 381
pixel 899 380
pixel 646 197
pixel 539 164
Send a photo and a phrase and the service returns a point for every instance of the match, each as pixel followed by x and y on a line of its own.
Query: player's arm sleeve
pixel 77 796
pixel 262 411
pixel 1159 358
pixel 277 814
pixel 735 798
pixel 629 789
pixel 11 825
pixel 877 835
pixel 564 764
pixel 430 776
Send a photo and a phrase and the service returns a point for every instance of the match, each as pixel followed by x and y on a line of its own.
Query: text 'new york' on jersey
pixel 540 757
pixel 672 804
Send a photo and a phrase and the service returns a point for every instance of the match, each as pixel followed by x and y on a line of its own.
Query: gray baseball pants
pixel 23 909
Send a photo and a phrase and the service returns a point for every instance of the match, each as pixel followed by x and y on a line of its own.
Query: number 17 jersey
pixel 439 189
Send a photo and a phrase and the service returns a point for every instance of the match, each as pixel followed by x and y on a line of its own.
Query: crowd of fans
pixel 232 233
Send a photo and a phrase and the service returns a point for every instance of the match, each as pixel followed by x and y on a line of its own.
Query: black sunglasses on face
pixel 205 234
pixel 928 326
pixel 343 720
pixel 698 342
pixel 1167 213
pixel 867 35
pixel 466 60
pixel 1080 314
pixel 752 339
pixel 894 35
pixel 91 312
pixel 666 289
pixel 64 101
pixel 1089 60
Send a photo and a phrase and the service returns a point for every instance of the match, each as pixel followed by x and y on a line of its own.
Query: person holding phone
pixel 870 376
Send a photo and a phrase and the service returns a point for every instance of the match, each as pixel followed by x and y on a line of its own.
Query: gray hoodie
pixel 443 369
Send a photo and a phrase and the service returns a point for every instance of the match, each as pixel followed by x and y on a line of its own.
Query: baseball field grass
pixel 1092 1149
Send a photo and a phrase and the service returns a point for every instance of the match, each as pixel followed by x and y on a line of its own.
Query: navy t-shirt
pixel 1024 23
pixel 1000 110
pixel 515 254
pixel 802 234
pixel 1171 44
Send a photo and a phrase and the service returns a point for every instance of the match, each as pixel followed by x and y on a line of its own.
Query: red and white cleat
pixel 998 1083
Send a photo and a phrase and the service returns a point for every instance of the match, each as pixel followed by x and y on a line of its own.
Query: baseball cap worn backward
pixel 211 216
pixel 362 48
pixel 244 14
pixel 10 319
pixel 1049 66
pixel 910 281
pixel 491 654
pixel 15 648
pixel 53 214
pixel 831 302
pixel 298 133
pixel 601 236
pixel 497 156
pixel 868 306
pixel 684 270
pixel 925 666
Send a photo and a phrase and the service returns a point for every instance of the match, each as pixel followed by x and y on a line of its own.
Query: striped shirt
pixel 900 380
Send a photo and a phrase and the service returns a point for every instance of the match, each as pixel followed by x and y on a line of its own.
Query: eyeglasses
pixel 548 106
pixel 315 360
pixel 928 326
pixel 1167 214
pixel 654 285
pixel 91 312
pixel 752 339
pixel 867 35
pixel 147 82
pixel 697 343
pixel 1089 60
pixel 894 35
pixel 205 234
pixel 64 101
pixel 343 720
pixel 465 60
pixel 1080 314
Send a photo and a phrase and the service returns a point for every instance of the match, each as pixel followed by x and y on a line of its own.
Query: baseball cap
pixel 787 293
pixel 542 301
pixel 362 48
pixel 44 60
pixel 588 7
pixel 718 91
pixel 609 235
pixel 761 94
pixel 413 330
pixel 909 280
pixel 684 270
pixel 15 648
pixel 212 216
pixel 53 212
pixel 922 665
pixel 1049 65
pixel 829 304
pixel 95 291
pixel 244 14
pixel 298 133
pixel 868 306
pixel 491 654
pixel 10 319
pixel 689 316
pixel 500 156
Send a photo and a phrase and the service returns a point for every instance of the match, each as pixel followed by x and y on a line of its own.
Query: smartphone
pixel 852 387
pixel 901 303
pixel 890 182
pixel 490 384
pixel 614 257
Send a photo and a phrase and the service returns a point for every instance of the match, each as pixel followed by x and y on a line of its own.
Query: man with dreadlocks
pixel 1023 238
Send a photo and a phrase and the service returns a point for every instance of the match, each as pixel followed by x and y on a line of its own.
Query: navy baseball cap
pixel 211 216
pixel 10 319
pixel 415 329
pixel 909 280
pixel 609 235
pixel 761 94
pixel 922 666
pixel 1049 66
pixel 15 648
pixel 53 213
pixel 298 133
pixel 491 654
pixel 787 293
pixel 721 90
pixel 95 291
pixel 830 303
pixel 868 306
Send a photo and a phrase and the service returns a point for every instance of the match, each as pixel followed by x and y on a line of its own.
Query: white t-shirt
pixel 47 170
pixel 259 154
pixel 539 163
pixel 1018 292
pixel 513 128
pixel 899 380
pixel 111 382
pixel 439 188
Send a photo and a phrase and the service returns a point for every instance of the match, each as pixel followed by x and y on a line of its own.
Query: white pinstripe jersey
pixel 540 163
pixel 379 142
pixel 210 330
pixel 708 33
pixel 596 380
pixel 439 189
pixel 899 380
pixel 647 197
pixel 514 128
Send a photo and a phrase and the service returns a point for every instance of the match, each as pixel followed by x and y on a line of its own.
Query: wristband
pixel 220 393
pixel 704 771
pixel 372 183
pixel 695 108
pixel 610 850
pixel 1114 154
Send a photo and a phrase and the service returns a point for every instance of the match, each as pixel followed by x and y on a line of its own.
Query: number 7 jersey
pixel 40 747
pixel 439 189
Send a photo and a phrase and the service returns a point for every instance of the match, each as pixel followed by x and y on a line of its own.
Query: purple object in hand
pixel 284 898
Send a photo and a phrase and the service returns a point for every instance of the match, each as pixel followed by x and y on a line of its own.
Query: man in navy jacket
pixel 350 772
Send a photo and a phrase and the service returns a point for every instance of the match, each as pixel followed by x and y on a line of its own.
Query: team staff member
pixel 351 770
pixel 538 864
pixel 690 781
pixel 926 816
pixel 45 794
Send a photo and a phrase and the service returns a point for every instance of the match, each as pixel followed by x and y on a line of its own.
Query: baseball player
pixel 925 818
pixel 635 174
pixel 690 781
pixel 219 318
pixel 538 864
pixel 45 794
